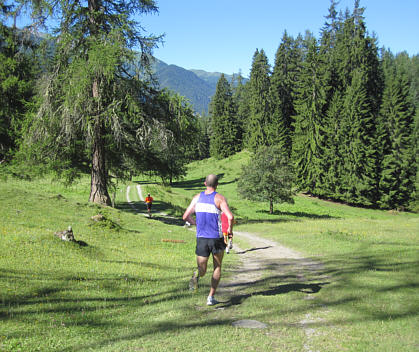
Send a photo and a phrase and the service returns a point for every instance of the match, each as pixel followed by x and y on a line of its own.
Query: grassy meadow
pixel 120 287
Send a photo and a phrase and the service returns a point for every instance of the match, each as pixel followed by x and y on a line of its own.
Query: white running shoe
pixel 211 301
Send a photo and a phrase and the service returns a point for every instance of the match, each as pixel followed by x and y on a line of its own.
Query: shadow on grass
pixel 347 283
pixel 54 287
pixel 298 214
pixel 168 220
pixel 352 280
pixel 337 274
pixel 284 216
pixel 137 333
pixel 195 184
pixel 161 211
pixel 198 183
pixel 279 290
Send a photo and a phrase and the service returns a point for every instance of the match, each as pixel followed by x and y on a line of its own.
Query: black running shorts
pixel 206 246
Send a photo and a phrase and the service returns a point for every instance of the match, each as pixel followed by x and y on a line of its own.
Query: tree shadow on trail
pixel 194 184
pixel 198 183
pixel 361 283
pixel 299 214
pixel 161 211
pixel 168 220
pixel 308 288
pixel 253 249
pixel 285 216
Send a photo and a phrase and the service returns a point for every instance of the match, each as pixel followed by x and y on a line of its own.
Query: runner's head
pixel 211 181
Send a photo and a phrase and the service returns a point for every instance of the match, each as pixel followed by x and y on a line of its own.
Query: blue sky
pixel 222 35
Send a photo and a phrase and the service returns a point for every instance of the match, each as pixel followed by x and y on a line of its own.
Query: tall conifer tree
pixel 308 134
pixel 396 138
pixel 18 70
pixel 225 131
pixel 329 157
pixel 358 147
pixel 283 82
pixel 240 98
pixel 332 160
pixel 348 49
pixel 259 102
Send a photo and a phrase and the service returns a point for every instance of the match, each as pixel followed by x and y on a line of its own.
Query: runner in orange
pixel 149 202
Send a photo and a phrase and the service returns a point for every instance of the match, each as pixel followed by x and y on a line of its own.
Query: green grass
pixel 370 263
pixel 122 289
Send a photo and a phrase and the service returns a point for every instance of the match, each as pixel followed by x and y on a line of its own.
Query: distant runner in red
pixel 149 202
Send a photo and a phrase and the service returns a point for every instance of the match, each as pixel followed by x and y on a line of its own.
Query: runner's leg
pixel 202 265
pixel 216 275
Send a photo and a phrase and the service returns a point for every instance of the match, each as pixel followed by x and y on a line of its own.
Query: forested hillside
pixel 197 86
pixel 342 112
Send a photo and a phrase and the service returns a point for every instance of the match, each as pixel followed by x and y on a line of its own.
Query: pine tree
pixel 354 49
pixel 283 82
pixel 18 70
pixel 358 147
pixel 308 134
pixel 240 98
pixel 347 49
pixel 398 167
pixel 332 161
pixel 414 77
pixel 259 102
pixel 225 139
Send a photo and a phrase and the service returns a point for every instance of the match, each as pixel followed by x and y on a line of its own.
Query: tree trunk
pixel 271 207
pixel 98 184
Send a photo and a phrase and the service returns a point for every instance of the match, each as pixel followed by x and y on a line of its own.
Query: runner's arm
pixel 223 205
pixel 187 216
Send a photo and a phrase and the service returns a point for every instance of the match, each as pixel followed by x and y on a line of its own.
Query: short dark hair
pixel 211 181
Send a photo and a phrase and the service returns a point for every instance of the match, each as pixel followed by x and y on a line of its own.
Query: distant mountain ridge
pixel 198 86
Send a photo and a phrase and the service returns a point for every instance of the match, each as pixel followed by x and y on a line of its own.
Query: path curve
pixel 141 197
pixel 131 203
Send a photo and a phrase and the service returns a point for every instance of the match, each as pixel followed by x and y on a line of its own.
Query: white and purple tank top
pixel 208 219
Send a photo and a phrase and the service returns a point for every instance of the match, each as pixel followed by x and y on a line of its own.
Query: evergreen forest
pixel 341 110
pixel 82 99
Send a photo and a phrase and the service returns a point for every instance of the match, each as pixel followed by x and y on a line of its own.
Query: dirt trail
pixel 264 259
pixel 254 260
pixel 140 196
pixel 264 256
pixel 283 268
